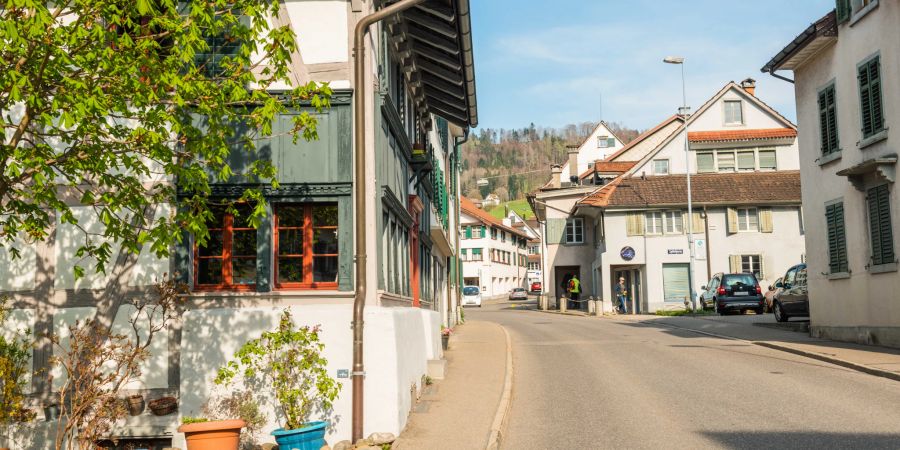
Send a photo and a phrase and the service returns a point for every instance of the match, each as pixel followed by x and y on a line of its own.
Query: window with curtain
pixel 748 219
pixel 752 264
pixel 654 222
pixel 726 161
pixel 228 258
pixel 661 167
pixel 602 141
pixel 733 113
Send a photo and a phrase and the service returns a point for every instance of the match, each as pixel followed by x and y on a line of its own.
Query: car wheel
pixel 702 304
pixel 760 311
pixel 779 313
pixel 718 310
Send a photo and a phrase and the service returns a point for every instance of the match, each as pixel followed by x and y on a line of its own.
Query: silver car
pixel 518 294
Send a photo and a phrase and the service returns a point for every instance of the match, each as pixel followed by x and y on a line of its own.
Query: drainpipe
pixel 706 232
pixel 359 188
pixel 459 275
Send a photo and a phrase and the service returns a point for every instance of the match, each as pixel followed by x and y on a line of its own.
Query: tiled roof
pixel 484 217
pixel 741 135
pixel 609 167
pixel 707 188
pixel 643 136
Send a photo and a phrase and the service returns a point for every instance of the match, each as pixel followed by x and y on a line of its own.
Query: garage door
pixel 676 286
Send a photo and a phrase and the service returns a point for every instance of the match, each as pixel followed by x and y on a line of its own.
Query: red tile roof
pixel 469 207
pixel 707 188
pixel 741 135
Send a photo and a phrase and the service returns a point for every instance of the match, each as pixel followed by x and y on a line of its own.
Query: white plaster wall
pixel 569 254
pixel 322 30
pixel 18 274
pixel 508 276
pixel 21 321
pixel 62 319
pixel 713 118
pixel 589 152
pixel 864 299
pixel 68 239
pixel 398 343
pixel 148 269
pixel 154 372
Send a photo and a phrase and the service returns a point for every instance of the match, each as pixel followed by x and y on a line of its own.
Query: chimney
pixel 749 85
pixel 573 166
pixel 555 172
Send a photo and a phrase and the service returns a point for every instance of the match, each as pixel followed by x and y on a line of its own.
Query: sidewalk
pixel 880 361
pixel 459 411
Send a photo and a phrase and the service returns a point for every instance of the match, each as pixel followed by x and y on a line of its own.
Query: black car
pixel 733 292
pixel 793 300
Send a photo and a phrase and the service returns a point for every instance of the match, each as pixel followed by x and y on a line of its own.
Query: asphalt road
pixel 586 383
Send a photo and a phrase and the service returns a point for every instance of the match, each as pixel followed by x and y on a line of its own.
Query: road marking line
pixel 505 399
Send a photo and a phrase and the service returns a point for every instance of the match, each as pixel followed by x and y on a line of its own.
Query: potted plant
pixel 445 336
pixel 204 434
pixel 290 361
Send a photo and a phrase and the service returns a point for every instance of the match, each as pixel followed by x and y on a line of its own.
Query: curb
pixel 812 355
pixel 505 399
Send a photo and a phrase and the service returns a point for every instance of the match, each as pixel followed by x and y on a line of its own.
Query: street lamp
pixel 684 111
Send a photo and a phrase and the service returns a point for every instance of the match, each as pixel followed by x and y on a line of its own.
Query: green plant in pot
pixel 289 360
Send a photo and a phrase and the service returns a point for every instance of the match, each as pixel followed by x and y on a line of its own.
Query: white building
pixel 494 253
pixel 598 145
pixel 846 72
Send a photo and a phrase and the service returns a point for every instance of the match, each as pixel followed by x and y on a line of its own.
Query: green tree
pixel 107 102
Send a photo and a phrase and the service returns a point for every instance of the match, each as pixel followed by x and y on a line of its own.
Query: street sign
pixel 627 253
pixel 676 251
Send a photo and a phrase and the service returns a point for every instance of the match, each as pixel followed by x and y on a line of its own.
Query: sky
pixel 555 62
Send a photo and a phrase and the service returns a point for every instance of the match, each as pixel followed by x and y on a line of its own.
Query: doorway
pixel 563 275
pixel 633 284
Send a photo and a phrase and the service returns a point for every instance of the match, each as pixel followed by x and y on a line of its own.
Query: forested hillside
pixel 517 161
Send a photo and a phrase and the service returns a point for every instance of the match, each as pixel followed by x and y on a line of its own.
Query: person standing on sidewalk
pixel 621 296
pixel 574 291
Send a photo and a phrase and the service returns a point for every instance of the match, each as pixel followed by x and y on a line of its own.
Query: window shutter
pixel 837 245
pixel 705 162
pixel 865 100
pixel 765 220
pixel 875 94
pixel 843 10
pixel 880 225
pixel 732 221
pixel 762 268
pixel 735 263
pixel 468 232
pixel 699 224
pixel 634 224
pixel 556 231
pixel 611 142
pixel 823 122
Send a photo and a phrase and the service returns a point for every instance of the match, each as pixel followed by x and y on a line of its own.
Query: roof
pixel 741 135
pixel 586 138
pixel 609 167
pixel 805 44
pixel 643 136
pixel 484 217
pixel 435 38
pixel 781 187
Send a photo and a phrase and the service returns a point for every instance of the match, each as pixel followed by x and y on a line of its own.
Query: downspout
pixel 359 188
pixel 458 261
pixel 708 258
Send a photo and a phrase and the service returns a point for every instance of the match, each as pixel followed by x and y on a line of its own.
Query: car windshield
pixel 518 289
pixel 744 279
pixel 470 290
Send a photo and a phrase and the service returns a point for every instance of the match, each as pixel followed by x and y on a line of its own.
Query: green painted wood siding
pixel 880 231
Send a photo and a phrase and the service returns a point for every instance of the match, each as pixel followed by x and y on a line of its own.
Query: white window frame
pixel 602 141
pixel 759 151
pixel 725 104
pixel 575 230
pixel 650 220
pixel 657 172
pixel 737 160
pixel 753 262
pixel 749 216
pixel 673 222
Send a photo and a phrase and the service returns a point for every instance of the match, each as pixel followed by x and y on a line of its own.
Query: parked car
pixel 536 286
pixel 770 295
pixel 793 300
pixel 518 294
pixel 471 296
pixel 727 292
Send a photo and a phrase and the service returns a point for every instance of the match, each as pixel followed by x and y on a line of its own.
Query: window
pixel 228 259
pixel 733 114
pixel 726 161
pixel 654 223
pixel 306 246
pixel 828 132
pixel 575 231
pixel 661 167
pixel 534 250
pixel 746 160
pixel 674 223
pixel 837 239
pixel 767 159
pixel 869 74
pixel 502 236
pixel 462 255
pixel 494 234
pixel 223 51
pixel 476 254
pixel 752 264
pixel 534 266
pixel 706 162
pixel 748 219
pixel 602 141
pixel 468 232
pixel 880 231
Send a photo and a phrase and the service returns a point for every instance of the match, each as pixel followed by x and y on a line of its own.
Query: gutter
pixel 468 59
pixel 359 187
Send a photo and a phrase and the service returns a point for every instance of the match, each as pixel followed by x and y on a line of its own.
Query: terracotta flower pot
pixel 214 435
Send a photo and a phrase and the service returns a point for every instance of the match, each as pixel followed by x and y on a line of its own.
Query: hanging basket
pixel 163 406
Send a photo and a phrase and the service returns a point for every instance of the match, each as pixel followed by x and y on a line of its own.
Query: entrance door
pixel 676 282
pixel 563 275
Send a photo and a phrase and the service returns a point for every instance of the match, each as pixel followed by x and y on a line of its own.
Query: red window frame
pixel 308 230
pixel 227 228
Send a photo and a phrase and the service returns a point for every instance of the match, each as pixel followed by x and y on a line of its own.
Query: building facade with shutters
pixel 493 251
pixel 633 206
pixel 301 256
pixel 845 69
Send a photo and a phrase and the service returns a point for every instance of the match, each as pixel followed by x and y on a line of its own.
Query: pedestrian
pixel 621 296
pixel 574 291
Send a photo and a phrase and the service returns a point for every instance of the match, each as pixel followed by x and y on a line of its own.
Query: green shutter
pixel 837 238
pixel 871 110
pixel 469 232
pixel 823 122
pixel 875 92
pixel 843 10
pixel 611 142
pixel 880 231
pixel 705 162
pixel 556 231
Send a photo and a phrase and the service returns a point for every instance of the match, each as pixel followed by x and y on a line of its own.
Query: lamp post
pixel 687 159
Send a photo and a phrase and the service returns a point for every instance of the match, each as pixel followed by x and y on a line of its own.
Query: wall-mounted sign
pixel 700 249
pixel 627 253
pixel 676 251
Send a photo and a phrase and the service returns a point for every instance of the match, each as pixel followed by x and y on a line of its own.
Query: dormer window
pixel 733 113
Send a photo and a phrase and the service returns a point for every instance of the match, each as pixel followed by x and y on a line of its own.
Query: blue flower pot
pixel 310 437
